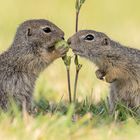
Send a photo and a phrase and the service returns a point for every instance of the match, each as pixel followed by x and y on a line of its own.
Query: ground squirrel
pixel 30 53
pixel 118 64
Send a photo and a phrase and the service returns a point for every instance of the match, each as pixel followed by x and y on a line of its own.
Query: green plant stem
pixel 77 64
pixel 75 84
pixel 77 20
pixel 67 62
pixel 69 85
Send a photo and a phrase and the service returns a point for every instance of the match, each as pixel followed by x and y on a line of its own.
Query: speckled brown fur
pixel 30 53
pixel 118 64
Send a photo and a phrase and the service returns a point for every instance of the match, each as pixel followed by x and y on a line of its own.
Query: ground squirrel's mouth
pixel 51 48
pixel 78 52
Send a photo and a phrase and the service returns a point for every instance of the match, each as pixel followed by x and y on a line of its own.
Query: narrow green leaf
pixel 67 60
pixel 77 5
pixel 81 3
pixel 76 60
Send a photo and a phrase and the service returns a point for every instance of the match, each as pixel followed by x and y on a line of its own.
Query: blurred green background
pixel 120 19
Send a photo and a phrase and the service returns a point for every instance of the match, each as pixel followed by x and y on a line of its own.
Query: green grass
pixel 83 120
pixel 89 118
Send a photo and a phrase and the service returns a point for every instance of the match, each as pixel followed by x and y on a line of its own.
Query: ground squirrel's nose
pixel 69 41
pixel 62 38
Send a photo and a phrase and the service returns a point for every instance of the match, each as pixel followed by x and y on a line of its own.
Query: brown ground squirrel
pixel 30 53
pixel 119 65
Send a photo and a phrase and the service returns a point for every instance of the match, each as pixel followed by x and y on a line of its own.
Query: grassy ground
pixel 85 120
pixel 89 118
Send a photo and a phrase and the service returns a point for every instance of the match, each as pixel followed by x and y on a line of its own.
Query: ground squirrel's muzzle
pixel 69 41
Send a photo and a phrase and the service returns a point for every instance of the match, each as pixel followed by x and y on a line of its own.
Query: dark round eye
pixel 47 30
pixel 89 37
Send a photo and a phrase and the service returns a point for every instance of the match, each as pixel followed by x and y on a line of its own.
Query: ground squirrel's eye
pixel 47 30
pixel 89 37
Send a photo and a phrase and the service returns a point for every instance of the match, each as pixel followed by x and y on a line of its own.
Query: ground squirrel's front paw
pixel 62 51
pixel 100 74
pixel 109 78
pixel 62 48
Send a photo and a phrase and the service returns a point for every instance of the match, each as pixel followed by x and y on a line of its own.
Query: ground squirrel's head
pixel 89 43
pixel 40 36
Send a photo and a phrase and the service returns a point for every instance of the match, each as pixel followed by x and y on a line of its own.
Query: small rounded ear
pixel 105 42
pixel 29 32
